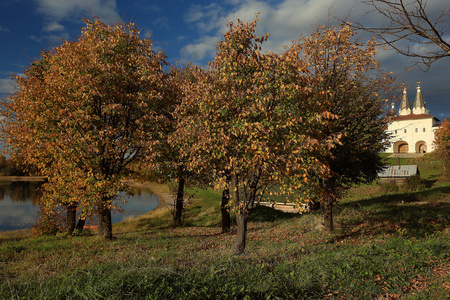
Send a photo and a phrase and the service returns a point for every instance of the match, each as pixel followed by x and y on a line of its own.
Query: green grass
pixel 204 209
pixel 387 245
pixel 394 160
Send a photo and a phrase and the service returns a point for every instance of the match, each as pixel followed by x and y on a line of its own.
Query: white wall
pixel 414 133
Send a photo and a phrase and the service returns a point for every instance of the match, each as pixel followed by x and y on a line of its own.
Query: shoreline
pixel 160 190
pixel 22 178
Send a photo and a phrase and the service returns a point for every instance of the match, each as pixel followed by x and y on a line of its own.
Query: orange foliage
pixel 84 111
pixel 442 143
pixel 253 119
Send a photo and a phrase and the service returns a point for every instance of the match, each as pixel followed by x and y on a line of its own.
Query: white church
pixel 412 131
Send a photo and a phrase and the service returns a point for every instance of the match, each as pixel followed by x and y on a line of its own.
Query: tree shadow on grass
pixel 267 214
pixel 415 214
pixel 258 214
pixel 430 181
pixel 428 195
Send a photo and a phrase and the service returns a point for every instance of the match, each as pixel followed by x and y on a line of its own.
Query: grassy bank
pixel 386 246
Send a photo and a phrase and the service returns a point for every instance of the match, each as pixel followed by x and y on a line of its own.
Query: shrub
pixel 50 222
pixel 414 183
pixel 388 187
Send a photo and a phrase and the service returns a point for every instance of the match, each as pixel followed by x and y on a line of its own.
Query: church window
pixel 424 129
pixel 417 130
pixel 396 132
pixel 405 130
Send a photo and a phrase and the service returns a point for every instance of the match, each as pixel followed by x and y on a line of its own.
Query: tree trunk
pixel 80 224
pixel 71 217
pixel 105 223
pixel 241 219
pixel 180 199
pixel 241 236
pixel 328 215
pixel 225 210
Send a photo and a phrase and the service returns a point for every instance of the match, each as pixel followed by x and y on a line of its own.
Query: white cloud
pixel 162 22
pixel 57 10
pixel 54 39
pixel 205 18
pixel 201 49
pixel 4 29
pixel 426 48
pixel 54 26
pixel 284 21
pixel 6 86
pixel 290 19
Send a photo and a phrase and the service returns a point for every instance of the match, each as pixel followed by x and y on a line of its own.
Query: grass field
pixel 387 245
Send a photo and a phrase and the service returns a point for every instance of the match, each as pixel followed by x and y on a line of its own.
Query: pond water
pixel 19 205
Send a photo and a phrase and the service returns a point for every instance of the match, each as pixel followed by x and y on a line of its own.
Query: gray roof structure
pixel 404 104
pixel 418 102
pixel 399 171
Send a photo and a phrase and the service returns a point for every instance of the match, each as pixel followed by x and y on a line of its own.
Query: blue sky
pixel 189 30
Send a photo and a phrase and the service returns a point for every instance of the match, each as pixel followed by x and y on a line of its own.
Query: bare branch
pixel 409 21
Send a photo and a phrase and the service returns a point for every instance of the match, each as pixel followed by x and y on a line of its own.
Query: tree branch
pixel 409 21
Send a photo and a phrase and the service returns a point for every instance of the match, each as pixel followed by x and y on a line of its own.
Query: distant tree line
pixel 9 168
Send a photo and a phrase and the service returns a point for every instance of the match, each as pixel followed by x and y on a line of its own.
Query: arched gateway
pixel 421 147
pixel 401 147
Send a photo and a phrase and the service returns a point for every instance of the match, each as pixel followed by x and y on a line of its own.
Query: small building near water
pixel 398 174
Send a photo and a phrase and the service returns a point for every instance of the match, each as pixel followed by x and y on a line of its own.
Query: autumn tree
pixel 254 124
pixel 169 163
pixel 84 111
pixel 411 27
pixel 190 135
pixel 442 142
pixel 346 82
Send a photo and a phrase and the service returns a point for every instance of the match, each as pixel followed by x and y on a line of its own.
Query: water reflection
pixel 142 201
pixel 19 204
pixel 21 191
